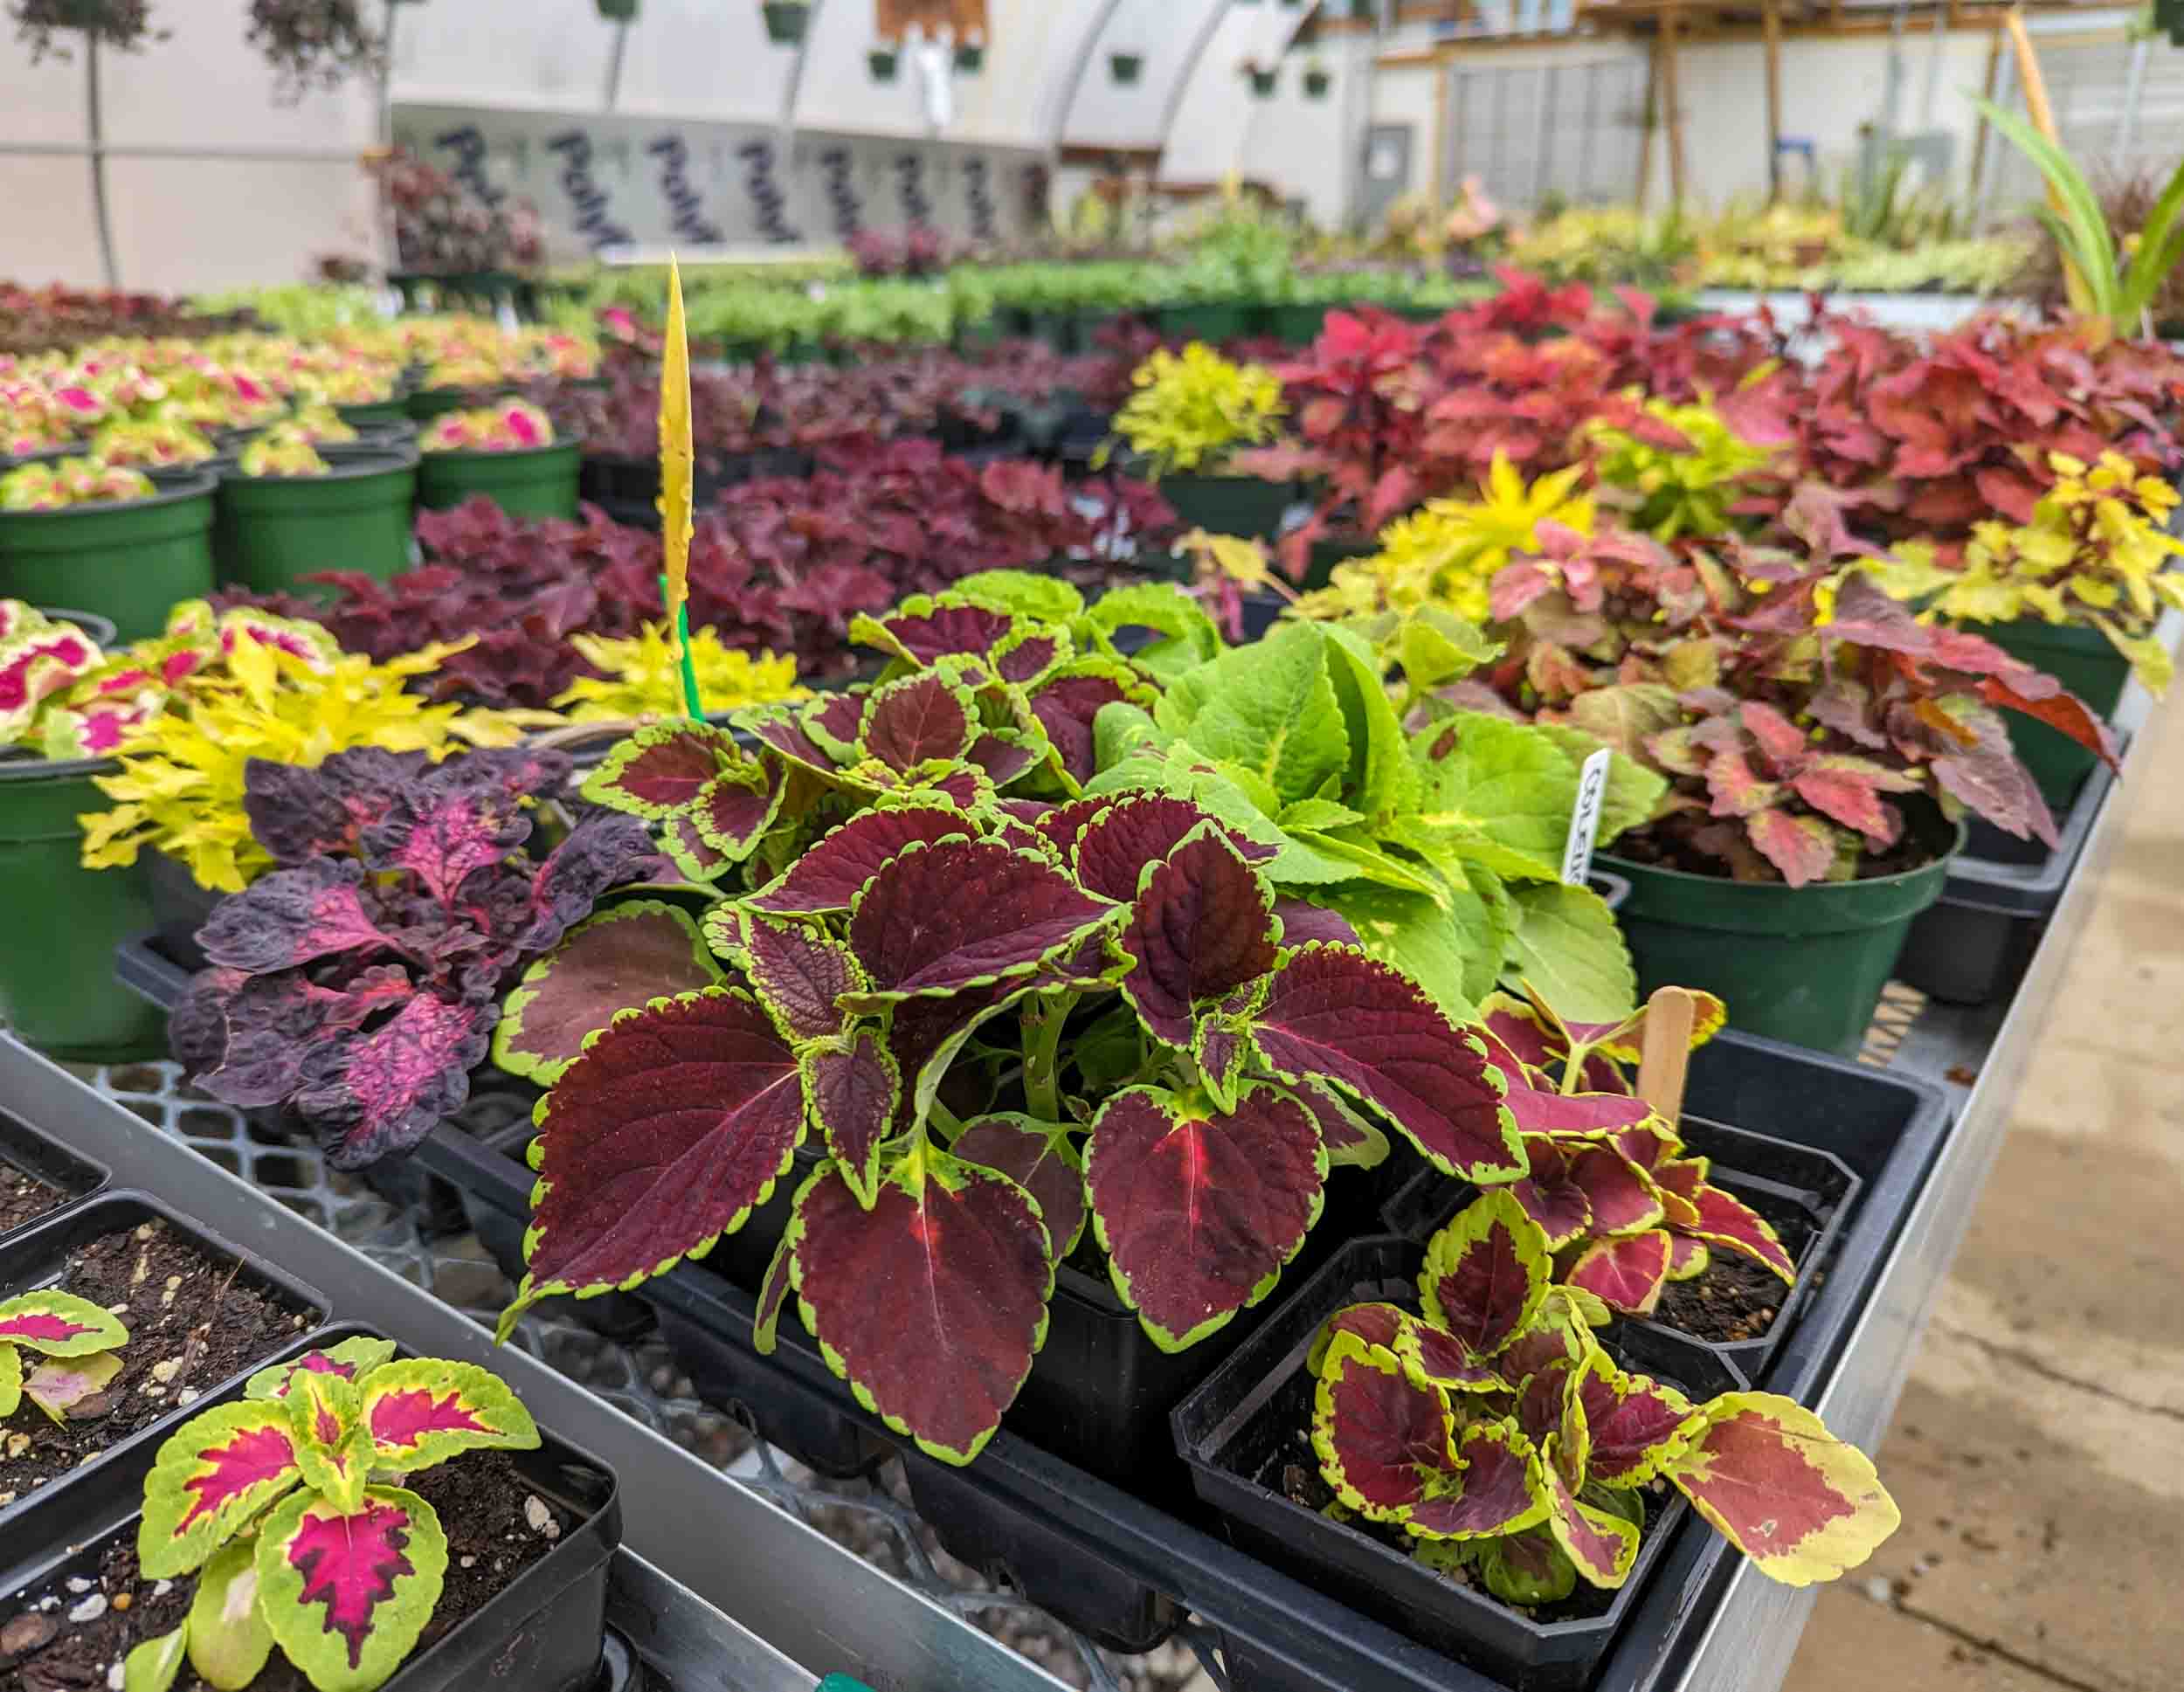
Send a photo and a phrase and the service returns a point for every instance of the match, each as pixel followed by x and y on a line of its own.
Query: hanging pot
pixel 1124 67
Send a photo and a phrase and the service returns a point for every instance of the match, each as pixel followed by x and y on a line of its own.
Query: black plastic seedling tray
pixel 74 1178
pixel 1972 945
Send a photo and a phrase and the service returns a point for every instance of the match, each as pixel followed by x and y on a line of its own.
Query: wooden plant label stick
pixel 1664 1057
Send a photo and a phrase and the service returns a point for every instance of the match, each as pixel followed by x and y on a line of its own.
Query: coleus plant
pixel 287 1508
pixel 355 985
pixel 1493 1429
pixel 40 659
pixel 78 1345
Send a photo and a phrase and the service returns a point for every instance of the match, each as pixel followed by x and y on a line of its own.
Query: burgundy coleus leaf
pixel 57 1324
pixel 614 960
pixel 1635 1424
pixel 1119 838
pixel 918 720
pixel 1347 1135
pixel 1800 1503
pixel 1540 1107
pixel 1499 1491
pixel 1721 1219
pixel 350 1359
pixel 831 875
pixel 780 728
pixel 1040 1158
pixel 675 1123
pixel 1485 1274
pixel 1688 1258
pixel 348 1594
pixel 1303 923
pixel 923 629
pixel 938 918
pixel 1385 1438
pixel 1432 1352
pixel 1601 1543
pixel 1552 1415
pixel 381 1091
pixel 833 719
pixel 662 766
pixel 1003 757
pixel 774 1290
pixel 601 851
pixel 300 811
pixel 1200 1209
pixel 853 1090
pixel 210 1479
pixel 1550 1195
pixel 1202 925
pixel 454 820
pixel 1067 702
pixel 293 916
pixel 1028 654
pixel 422 1411
pixel 1060 824
pixel 1625 1273
pixel 1334 1014
pixel 733 812
pixel 1622 1197
pixel 932 1303
pixel 797 969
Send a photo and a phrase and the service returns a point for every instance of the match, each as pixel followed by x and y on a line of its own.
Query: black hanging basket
pixel 882 64
pixel 1123 68
pixel 1316 84
pixel 785 20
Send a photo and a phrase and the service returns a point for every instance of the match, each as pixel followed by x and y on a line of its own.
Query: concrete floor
pixel 2038 1452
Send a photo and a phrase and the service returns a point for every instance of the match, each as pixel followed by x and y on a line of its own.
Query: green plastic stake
pixel 690 704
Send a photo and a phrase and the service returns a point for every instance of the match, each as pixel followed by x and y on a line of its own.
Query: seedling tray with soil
pixel 38 1175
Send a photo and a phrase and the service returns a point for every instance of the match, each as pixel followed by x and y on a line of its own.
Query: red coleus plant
pixel 285 1507
pixel 355 986
pixel 1491 1427
pixel 910 871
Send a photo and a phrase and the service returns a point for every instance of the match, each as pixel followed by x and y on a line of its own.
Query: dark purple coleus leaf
pixel 1003 759
pixel 834 720
pixel 1485 1274
pixel 957 914
pixel 662 1136
pixel 1349 1138
pixel 454 820
pixel 1029 654
pixel 196 1029
pixel 1203 926
pixel 1303 923
pixel 293 916
pixel 779 728
pixel 601 851
pixel 270 1025
pixel 613 961
pixel 1040 1158
pixel 1114 841
pixel 1335 1014
pixel 1198 1209
pixel 920 718
pixel 383 1091
pixel 798 971
pixel 932 1303
pixel 300 812
pixel 1066 705
pixel 1622 1197
pixel 831 875
pixel 938 628
pixel 1060 824
pixel 852 1090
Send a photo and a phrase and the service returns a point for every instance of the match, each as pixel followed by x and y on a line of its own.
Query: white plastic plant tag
pixel 1585 817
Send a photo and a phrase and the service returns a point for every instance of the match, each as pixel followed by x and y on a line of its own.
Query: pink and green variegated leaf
pixel 1040 1158
pixel 614 960
pixel 229 1640
pixel 675 1123
pixel 352 1359
pixel 422 1411
pixel 851 1091
pixel 1624 1041
pixel 780 730
pixel 1485 1274
pixel 1552 1415
pixel 59 1324
pixel 1348 1136
pixel 1202 925
pixel 1552 1338
pixel 1198 1209
pixel 59 1383
pixel 210 1478
pixel 1537 1102
pixel 662 768
pixel 1522 1031
pixel 1383 1436
pixel 1650 1145
pixel 1499 1491
pixel 334 1448
pixel 733 812
pixel 1688 1258
pixel 937 919
pixel 1114 840
pixel 1797 1501
pixel 933 1302
pixel 1637 1425
pixel 1625 1272
pixel 1623 1197
pixel 1601 1544
pixel 916 719
pixel 1376 1323
pixel 1722 1219
pixel 348 1595
pixel 1332 1014
pixel 1005 755
pixel 1803 848
pixel 831 875
pixel 1434 1354
pixel 1550 1197
pixel 797 969
pixel 1678 1180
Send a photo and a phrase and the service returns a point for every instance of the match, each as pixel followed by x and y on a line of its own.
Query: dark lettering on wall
pixel 686 211
pixel 909 190
pixel 768 204
pixel 842 204
pixel 977 188
pixel 594 213
pixel 1036 184
pixel 468 143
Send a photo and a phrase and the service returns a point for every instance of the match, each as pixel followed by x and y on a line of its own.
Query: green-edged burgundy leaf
pixel 332 1448
pixel 833 719
pixel 1029 654
pixel 1499 1490
pixel 779 728
pixel 831 875
pixel 1220 1041
pixel 1725 1220
pixel 1199 1209
pixel 661 767
pixel 1040 1158
pixel 1432 1352
pixel 153 1666
pixel 1066 705
pixel 58 1385
pixel 798 971
pixel 1348 1136
pixel 688 851
pixel 1535 1101
pixel 1550 1197
pixel 1602 1545
pixel 1525 1568
pixel 1625 1272
pixel 382 1091
pixel 1623 1195
pixel 920 717
pixel 774 1290
pixel 675 1122
pixel 1336 1015
pixel 614 960
pixel 937 919
pixel 229 1640
pixel 210 1478
pixel 423 1411
pixel 933 1302
pixel 59 1325
pixel 1636 1424
pixel 1202 925
pixel 1688 1258
pixel 851 1090
pixel 1797 1501
pixel 922 630
pixel 1383 1436
pixel 733 812
pixel 1376 1323
pixel 1061 823
pixel 1303 923
pixel 1485 1274
pixel 351 1359
pixel 1003 757
pixel 348 1595
pixel 1112 849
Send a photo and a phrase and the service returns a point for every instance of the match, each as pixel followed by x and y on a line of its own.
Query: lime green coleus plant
pixel 1189 410
pixel 1681 467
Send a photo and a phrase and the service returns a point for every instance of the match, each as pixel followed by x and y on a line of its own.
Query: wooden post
pixel 1675 111
pixel 1443 72
pixel 1652 121
pixel 1771 19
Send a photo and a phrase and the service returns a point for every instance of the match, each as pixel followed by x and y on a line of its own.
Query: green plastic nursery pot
pixel 59 923
pixel 1211 324
pixel 127 562
pixel 1332 549
pixel 374 413
pixel 1297 326
pixel 1229 504
pixel 2083 660
pixel 1802 964
pixel 429 403
pixel 273 531
pixel 539 482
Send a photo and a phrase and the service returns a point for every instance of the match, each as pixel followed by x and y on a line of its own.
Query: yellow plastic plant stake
pixel 678 459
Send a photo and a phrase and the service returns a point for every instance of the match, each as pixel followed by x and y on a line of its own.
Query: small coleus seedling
pixel 1007 1022
pixel 1494 1430
pixel 355 985
pixel 80 1344
pixel 286 1505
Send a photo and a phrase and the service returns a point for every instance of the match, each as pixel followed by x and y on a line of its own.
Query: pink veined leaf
pixel 1042 1158
pixel 851 1091
pixel 211 1479
pixel 291 917
pixel 831 873
pixel 1200 1213
pixel 1850 801
pixel 932 1303
pixel 422 1411
pixel 1635 1424
pixel 615 960
pixel 1498 1492
pixel 662 767
pixel 1622 1195
pixel 1781 740
pixel 958 913
pixel 346 1595
pixel 384 1090
pixel 1202 927
pixel 920 717
pixel 1803 848
pixel 661 1137
pixel 1725 1220
pixel 59 1324
pixel 1736 790
pixel 1383 1437
pixel 1625 1273
pixel 797 970
pixel 348 1359
pixel 1485 1274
